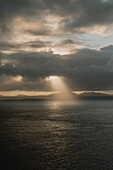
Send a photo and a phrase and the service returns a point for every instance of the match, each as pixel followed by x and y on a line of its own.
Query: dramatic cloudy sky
pixel 72 39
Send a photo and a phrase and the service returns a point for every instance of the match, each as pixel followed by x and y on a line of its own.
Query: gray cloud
pixel 85 70
pixel 65 42
pixel 90 13
pixel 5 45
pixel 75 13
pixel 37 44
pixel 43 31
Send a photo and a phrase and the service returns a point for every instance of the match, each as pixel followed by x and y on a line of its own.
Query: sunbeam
pixel 58 85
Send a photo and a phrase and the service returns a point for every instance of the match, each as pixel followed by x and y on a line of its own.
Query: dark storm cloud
pixel 75 13
pixel 89 13
pixel 87 69
pixel 9 10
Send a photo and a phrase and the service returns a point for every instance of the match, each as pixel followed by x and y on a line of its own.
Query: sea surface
pixel 40 135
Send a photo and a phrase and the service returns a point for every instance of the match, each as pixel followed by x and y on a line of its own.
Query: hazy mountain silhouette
pixel 60 96
pixel 63 96
pixel 94 95
pixel 21 95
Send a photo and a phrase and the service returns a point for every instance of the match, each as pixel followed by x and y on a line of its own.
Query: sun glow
pixel 53 78
pixel 17 78
pixel 58 85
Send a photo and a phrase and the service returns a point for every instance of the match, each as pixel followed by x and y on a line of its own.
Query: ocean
pixel 56 135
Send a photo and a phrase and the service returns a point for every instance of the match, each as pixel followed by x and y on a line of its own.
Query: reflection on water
pixel 56 135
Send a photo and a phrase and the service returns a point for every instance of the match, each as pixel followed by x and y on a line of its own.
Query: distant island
pixel 61 96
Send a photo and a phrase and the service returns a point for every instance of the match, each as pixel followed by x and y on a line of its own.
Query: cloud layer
pixel 41 38
pixel 74 14
pixel 84 70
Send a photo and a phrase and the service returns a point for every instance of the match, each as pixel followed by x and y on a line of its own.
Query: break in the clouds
pixel 68 38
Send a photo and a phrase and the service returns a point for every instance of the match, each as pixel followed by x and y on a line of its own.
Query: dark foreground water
pixel 53 135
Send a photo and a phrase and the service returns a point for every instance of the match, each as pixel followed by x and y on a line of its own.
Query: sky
pixel 70 39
